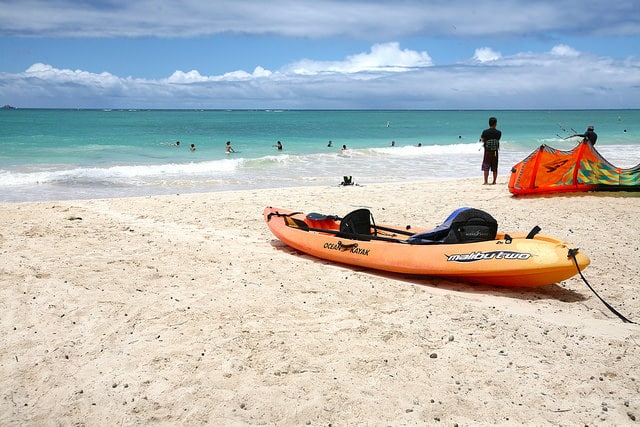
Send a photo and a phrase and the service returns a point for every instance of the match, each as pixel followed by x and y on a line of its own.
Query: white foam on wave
pixel 427 150
pixel 119 173
pixel 622 156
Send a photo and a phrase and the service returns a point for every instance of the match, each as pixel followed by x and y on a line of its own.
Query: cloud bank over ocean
pixel 322 54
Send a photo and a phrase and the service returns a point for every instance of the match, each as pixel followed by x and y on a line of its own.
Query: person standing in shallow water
pixel 490 139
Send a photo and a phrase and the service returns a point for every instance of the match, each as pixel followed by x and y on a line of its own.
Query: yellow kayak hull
pixel 510 259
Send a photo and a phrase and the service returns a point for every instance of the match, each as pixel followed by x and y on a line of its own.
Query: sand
pixel 185 310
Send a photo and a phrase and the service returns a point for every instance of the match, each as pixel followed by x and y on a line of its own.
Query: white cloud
pixel 194 76
pixel 386 57
pixel 564 50
pixel 486 54
pixel 385 77
pixel 47 72
pixel 181 77
pixel 241 75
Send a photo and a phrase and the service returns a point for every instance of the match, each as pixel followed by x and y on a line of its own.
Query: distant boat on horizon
pixel 8 107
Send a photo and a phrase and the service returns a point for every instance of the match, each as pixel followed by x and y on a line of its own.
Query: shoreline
pixel 96 193
pixel 184 309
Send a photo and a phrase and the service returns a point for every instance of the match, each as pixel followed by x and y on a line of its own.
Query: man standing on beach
pixel 490 139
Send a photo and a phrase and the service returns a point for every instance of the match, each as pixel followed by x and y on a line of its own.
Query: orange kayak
pixel 469 250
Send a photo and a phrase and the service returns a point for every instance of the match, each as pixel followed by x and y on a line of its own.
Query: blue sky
pixel 405 54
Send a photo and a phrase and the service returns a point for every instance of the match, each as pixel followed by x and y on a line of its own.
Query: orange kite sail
pixel 548 170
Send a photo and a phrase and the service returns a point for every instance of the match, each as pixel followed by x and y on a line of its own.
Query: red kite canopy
pixel 548 170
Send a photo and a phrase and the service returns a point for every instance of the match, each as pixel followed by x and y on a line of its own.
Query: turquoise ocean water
pixel 78 154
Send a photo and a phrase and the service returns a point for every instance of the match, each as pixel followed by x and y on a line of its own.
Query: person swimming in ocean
pixel 229 148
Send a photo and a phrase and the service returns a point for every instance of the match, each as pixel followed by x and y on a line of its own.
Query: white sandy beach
pixel 185 310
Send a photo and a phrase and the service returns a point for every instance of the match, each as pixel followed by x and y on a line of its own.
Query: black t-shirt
pixel 491 138
pixel 591 136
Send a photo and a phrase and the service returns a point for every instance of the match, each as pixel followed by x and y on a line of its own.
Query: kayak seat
pixel 356 225
pixel 464 225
